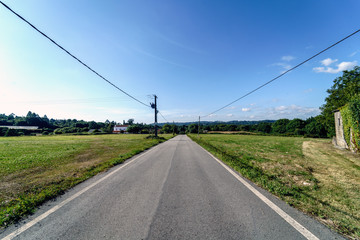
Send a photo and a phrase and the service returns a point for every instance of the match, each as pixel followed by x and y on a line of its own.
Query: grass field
pixel 309 174
pixel 35 169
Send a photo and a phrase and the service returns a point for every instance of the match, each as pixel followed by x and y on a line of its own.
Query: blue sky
pixel 196 56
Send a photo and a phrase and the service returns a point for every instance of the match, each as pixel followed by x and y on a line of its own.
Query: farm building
pixel 120 128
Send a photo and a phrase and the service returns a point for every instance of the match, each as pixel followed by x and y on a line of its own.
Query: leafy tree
pixel 280 125
pixel 344 89
pixel 130 121
pixel 315 128
pixel 264 127
pixel 193 128
pixel 135 128
pixel 11 132
pixel 295 126
pixel 167 128
pixel 3 131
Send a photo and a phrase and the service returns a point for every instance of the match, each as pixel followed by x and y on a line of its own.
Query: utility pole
pixel 199 126
pixel 154 105
pixel 173 128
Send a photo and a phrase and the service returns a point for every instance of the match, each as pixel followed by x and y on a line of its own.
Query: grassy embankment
pixel 309 174
pixel 36 169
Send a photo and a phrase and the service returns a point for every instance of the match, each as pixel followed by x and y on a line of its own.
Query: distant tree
pixel 93 125
pixel 315 128
pixel 344 89
pixel 192 128
pixel 135 128
pixel 264 127
pixel 11 117
pixel 130 121
pixel 231 127
pixel 3 131
pixel 295 126
pixel 182 129
pixel 280 125
pixel 167 128
pixel 11 132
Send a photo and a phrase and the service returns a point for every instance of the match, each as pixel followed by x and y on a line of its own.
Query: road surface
pixel 175 190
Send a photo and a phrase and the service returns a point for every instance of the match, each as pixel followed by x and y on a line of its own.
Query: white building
pixel 120 128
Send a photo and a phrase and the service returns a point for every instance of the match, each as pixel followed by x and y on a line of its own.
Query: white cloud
pixel 280 108
pixel 285 66
pixel 287 58
pixel 328 61
pixel 245 109
pixel 230 115
pixel 285 111
pixel 353 54
pixel 340 67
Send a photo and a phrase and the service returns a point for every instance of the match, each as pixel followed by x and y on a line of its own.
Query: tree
pixel 193 128
pixel 314 127
pixel 11 132
pixel 167 128
pixel 131 121
pixel 264 127
pixel 280 125
pixel 344 89
pixel 295 126
pixel 135 128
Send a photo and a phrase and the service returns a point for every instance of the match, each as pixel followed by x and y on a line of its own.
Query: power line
pixel 247 94
pixel 72 55
pixel 163 117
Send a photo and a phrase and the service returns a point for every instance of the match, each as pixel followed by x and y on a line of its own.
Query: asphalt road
pixel 175 190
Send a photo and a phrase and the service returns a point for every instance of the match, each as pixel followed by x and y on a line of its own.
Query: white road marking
pixel 301 229
pixel 57 207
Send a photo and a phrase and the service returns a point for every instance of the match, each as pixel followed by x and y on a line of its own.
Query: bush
pixel 11 132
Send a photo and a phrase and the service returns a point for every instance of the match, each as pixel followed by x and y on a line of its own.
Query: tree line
pixel 311 127
pixel 49 126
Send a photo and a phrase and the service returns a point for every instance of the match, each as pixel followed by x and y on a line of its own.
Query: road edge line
pixel 301 229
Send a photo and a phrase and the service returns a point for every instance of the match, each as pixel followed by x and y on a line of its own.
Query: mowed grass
pixel 309 174
pixel 36 169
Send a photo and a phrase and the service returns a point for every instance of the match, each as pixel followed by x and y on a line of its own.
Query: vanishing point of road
pixel 176 190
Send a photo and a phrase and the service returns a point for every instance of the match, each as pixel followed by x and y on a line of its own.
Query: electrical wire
pixel 163 117
pixel 99 75
pixel 247 94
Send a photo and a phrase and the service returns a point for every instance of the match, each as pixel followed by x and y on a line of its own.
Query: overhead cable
pixel 163 117
pixel 247 94
pixel 112 84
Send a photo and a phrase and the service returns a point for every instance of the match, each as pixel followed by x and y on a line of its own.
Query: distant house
pixel 120 128
pixel 21 127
